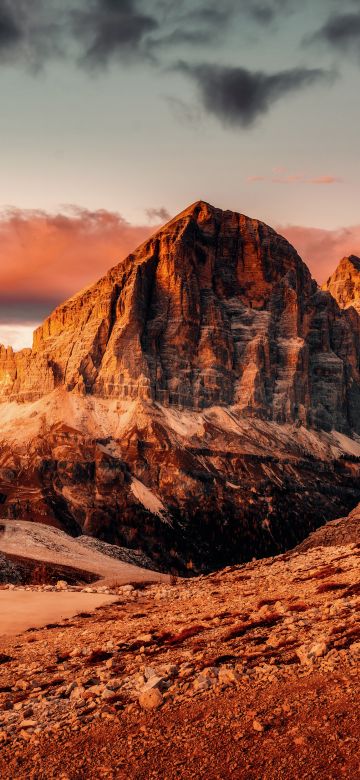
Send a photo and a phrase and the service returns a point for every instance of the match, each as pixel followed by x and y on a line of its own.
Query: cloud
pixel 93 33
pixel 158 215
pixel 17 336
pixel 238 96
pixel 283 177
pixel 46 258
pixel 325 180
pixel 341 32
pixel 10 33
pixel 266 12
pixel 111 28
pixel 322 249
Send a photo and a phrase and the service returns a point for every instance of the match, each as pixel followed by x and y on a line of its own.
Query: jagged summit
pixel 170 407
pixel 215 308
pixel 344 283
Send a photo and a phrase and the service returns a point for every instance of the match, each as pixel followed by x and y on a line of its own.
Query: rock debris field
pixel 251 672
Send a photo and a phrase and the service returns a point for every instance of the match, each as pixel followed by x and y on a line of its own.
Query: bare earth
pixel 21 610
pixel 251 673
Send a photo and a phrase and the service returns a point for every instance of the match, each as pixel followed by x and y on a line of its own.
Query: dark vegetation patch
pixel 243 628
pixel 328 587
pixel 5 659
pixel 61 657
pixel 218 660
pixel 352 590
pixel 267 602
pixel 98 657
pixel 342 641
pixel 57 681
pixel 298 606
pixel 168 638
pixel 321 574
pixel 50 626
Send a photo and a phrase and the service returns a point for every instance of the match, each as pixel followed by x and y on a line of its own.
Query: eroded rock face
pixel 186 405
pixel 344 284
pixel 216 308
pixel 190 490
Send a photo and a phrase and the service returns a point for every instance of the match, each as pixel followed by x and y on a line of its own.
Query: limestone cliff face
pixel 344 284
pixel 216 308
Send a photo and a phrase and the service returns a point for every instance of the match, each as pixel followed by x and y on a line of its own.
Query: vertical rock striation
pixel 216 308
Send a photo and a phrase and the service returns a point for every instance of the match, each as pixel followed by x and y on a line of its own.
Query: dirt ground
pixel 310 732
pixel 250 673
pixel 22 609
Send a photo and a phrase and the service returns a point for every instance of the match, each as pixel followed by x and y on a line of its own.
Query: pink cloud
pixel 322 249
pixel 325 180
pixel 291 179
pixel 283 177
pixel 256 178
pixel 54 255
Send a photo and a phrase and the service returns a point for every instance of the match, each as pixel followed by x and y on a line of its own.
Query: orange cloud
pixel 325 180
pixel 46 258
pixel 322 249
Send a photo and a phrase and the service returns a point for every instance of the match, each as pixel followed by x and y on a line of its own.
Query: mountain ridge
pixel 344 283
pixel 200 403
pixel 145 328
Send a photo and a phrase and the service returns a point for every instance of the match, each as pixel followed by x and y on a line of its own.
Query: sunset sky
pixel 116 114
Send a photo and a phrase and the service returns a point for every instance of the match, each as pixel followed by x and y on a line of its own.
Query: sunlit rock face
pixel 216 308
pixel 344 284
pixel 187 404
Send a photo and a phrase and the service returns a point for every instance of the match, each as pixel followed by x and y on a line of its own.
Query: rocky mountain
pixel 344 284
pixel 200 403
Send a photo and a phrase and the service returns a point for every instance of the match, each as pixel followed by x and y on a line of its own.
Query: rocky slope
pixel 344 284
pixel 250 672
pixel 200 403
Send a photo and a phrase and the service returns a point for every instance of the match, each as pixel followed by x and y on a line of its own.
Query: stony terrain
pixel 245 673
pixel 199 404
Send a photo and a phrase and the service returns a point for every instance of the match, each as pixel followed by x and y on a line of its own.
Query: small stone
pixel 28 724
pixel 151 699
pixel 61 585
pixel 228 676
pixel 257 726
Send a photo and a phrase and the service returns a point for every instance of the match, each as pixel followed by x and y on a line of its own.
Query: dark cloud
pixel 109 28
pixel 158 215
pixel 33 31
pixel 10 32
pixel 238 96
pixel 94 32
pixel 266 12
pixel 341 32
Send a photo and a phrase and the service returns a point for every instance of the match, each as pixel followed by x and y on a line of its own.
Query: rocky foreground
pixel 250 672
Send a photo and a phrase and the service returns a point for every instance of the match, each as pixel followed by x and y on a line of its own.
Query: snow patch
pixel 148 499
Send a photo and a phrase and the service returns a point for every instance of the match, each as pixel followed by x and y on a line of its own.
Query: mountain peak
pixel 344 283
pixel 215 309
